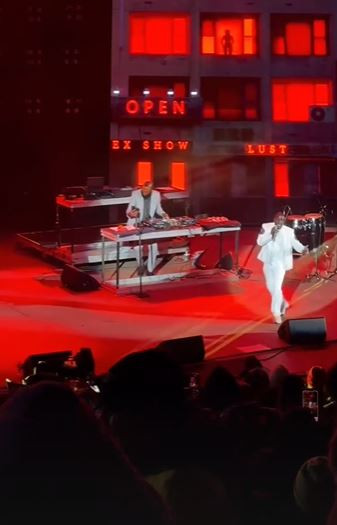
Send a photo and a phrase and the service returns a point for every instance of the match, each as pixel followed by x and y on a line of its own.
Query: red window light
pixel 292 98
pixel 301 38
pixel 159 34
pixel 298 38
pixel 281 179
pixel 249 36
pixel 320 40
pixel 160 91
pixel 179 175
pixel 229 36
pixel 144 172
pixel 279 46
pixel 208 38
pixel 208 111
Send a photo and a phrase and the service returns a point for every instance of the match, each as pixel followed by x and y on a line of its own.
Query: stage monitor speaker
pixel 303 331
pixel 207 260
pixel 77 280
pixel 187 350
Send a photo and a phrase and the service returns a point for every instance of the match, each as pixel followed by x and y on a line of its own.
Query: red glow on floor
pixel 38 315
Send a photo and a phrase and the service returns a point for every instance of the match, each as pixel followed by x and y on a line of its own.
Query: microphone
pixel 286 211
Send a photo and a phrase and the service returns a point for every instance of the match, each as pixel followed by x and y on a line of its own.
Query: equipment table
pixel 80 203
pixel 111 235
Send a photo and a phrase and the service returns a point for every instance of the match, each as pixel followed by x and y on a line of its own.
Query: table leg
pixel 220 246
pixel 117 263
pixel 236 249
pixel 58 226
pixel 72 229
pixel 103 259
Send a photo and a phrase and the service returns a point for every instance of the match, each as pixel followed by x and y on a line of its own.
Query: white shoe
pixel 277 319
pixel 284 307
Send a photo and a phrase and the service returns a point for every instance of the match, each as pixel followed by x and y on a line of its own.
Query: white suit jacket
pixel 137 201
pixel 286 242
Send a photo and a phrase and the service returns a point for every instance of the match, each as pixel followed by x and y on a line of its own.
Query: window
pixel 230 98
pixel 158 86
pixel 228 36
pixel 299 35
pixel 178 175
pixel 292 98
pixel 304 178
pixel 144 172
pixel 237 178
pixel 159 34
pixel 281 179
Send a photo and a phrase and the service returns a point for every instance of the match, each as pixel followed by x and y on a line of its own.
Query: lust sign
pixel 267 150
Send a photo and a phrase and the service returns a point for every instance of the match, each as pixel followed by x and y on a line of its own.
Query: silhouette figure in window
pixel 227 42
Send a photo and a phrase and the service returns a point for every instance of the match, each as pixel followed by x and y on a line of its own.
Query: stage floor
pixel 38 315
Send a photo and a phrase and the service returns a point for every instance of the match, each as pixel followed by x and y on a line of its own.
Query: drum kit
pixel 310 231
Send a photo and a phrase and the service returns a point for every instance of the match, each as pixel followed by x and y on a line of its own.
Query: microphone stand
pixel 140 294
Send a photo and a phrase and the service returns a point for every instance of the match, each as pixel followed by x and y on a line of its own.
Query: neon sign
pixel 141 108
pixel 268 150
pixel 151 145
pixel 162 108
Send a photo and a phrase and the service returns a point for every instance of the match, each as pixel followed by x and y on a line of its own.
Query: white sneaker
pixel 284 307
pixel 277 319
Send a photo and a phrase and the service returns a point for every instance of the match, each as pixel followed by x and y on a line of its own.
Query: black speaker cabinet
pixel 186 350
pixel 77 280
pixel 303 331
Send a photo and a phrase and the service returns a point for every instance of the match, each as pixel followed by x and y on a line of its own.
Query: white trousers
pixel 274 274
pixel 152 255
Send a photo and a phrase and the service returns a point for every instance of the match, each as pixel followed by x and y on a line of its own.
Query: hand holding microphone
pixel 275 230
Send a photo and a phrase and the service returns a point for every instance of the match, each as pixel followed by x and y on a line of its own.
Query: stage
pixel 39 315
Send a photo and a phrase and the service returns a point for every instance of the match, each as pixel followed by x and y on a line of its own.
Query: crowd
pixel 148 446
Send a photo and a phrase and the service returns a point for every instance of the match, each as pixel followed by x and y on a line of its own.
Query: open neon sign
pixel 151 145
pixel 271 150
pixel 157 108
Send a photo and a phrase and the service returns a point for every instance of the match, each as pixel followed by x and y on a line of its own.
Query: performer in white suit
pixel 145 204
pixel 277 241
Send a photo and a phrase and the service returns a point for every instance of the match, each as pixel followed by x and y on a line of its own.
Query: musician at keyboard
pixel 145 204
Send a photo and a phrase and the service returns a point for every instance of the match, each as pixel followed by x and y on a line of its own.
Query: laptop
pixel 95 184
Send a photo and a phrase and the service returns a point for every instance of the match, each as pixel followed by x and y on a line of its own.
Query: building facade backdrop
pixel 234 100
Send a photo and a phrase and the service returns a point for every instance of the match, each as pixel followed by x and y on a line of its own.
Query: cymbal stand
pixel 316 275
pixel 334 272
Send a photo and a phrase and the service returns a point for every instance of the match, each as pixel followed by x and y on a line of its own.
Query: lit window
pixel 144 172
pixel 158 86
pixel 159 34
pixel 292 98
pixel 320 37
pixel 178 175
pixel 299 36
pixel 228 36
pixel 281 179
pixel 304 178
pixel 230 98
